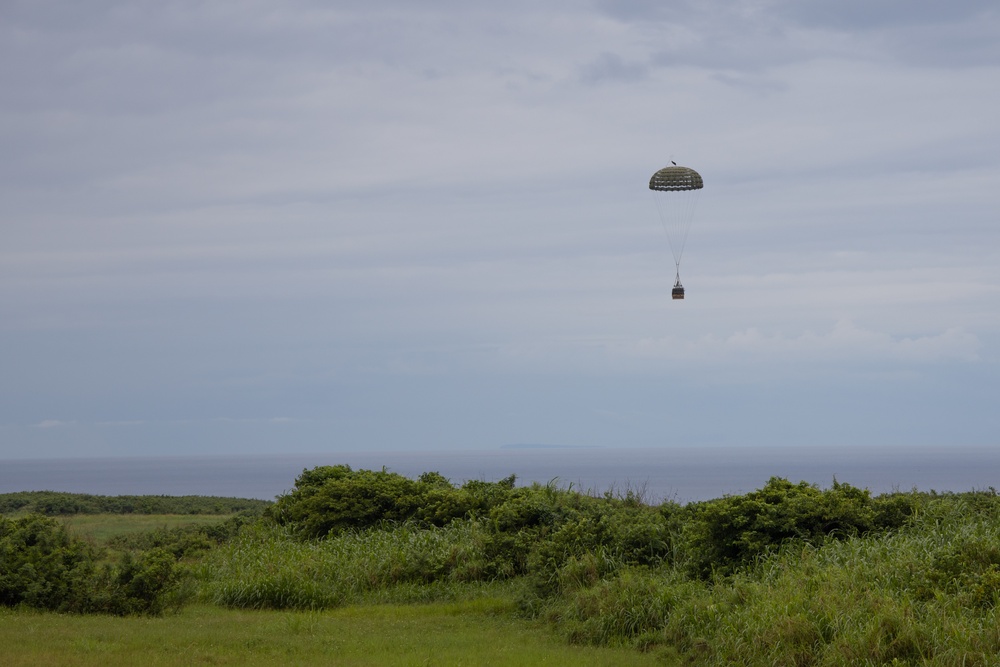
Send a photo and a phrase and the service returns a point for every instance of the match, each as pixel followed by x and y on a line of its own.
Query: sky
pixel 233 228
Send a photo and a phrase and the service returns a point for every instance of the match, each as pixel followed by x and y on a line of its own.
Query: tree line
pixel 57 503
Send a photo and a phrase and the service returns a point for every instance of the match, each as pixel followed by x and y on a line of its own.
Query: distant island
pixel 531 445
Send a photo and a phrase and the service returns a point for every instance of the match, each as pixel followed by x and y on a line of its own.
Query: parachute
pixel 675 190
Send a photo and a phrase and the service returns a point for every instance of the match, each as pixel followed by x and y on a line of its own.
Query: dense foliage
pixel 520 530
pixel 538 529
pixel 331 499
pixel 44 567
pixel 55 503
pixel 733 531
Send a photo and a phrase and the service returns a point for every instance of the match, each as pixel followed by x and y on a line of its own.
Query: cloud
pixel 863 15
pixel 54 423
pixel 752 36
pixel 844 343
pixel 748 353
pixel 228 209
pixel 611 67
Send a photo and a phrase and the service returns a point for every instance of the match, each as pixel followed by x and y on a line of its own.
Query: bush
pixel 138 585
pixel 42 566
pixel 331 499
pixel 727 533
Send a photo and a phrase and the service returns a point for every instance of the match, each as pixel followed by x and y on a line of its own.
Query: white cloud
pixel 844 348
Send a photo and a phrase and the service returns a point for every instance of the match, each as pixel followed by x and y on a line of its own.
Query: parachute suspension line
pixel 676 212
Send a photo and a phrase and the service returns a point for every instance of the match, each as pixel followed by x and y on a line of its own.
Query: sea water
pixel 680 474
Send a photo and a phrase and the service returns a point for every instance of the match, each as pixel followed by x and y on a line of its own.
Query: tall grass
pixel 924 595
pixel 268 568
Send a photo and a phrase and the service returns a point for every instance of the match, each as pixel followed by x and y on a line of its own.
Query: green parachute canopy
pixel 672 179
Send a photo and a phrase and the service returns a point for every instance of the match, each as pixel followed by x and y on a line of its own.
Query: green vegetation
pixel 43 567
pixel 790 574
pixel 91 563
pixel 481 632
pixel 56 503
pixel 100 528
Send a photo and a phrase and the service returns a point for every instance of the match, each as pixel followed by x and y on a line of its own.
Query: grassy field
pixel 102 527
pixel 479 632
pixel 483 631
pixel 786 575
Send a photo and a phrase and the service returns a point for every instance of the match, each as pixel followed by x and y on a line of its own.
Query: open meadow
pixel 483 632
pixel 102 527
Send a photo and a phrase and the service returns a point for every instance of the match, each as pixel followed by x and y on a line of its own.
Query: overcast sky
pixel 254 227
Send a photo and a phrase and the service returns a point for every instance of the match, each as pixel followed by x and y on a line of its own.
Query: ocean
pixel 680 474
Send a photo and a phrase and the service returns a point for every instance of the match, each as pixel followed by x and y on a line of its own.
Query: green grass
pixel 101 527
pixel 478 632
pixel 911 579
pixel 266 568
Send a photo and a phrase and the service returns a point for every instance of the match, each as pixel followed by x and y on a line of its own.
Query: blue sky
pixel 248 227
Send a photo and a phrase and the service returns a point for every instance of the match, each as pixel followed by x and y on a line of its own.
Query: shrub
pixel 729 532
pixel 336 498
pixel 44 567
pixel 138 585
pixel 41 566
pixel 331 499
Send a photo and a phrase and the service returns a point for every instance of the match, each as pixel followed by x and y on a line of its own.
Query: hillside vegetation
pixel 790 574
